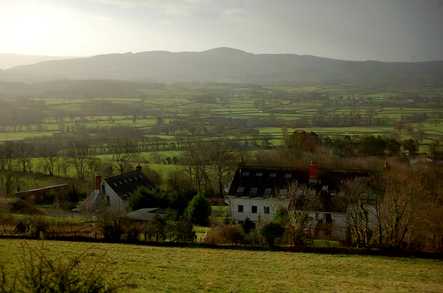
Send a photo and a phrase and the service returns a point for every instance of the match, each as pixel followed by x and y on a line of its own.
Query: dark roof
pixel 42 189
pixel 146 214
pixel 272 181
pixel 127 183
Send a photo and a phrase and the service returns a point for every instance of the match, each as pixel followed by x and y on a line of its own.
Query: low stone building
pixel 48 194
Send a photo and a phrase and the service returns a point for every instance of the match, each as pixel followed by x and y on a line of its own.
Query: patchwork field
pixel 155 269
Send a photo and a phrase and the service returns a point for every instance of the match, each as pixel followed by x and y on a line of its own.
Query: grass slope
pixel 156 269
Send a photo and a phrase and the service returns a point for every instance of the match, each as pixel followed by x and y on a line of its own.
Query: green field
pixel 155 269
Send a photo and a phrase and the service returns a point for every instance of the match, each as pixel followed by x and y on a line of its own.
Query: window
pixel 254 209
pixel 240 209
pixel 253 191
pixel 245 174
pixel 103 189
pixel 108 201
pixel 259 174
pixel 273 175
pixel 283 191
pixel 266 210
pixel 288 175
pixel 328 218
pixel 268 191
pixel 240 189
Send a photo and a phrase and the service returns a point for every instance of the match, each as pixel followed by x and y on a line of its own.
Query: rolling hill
pixel 231 66
pixel 12 60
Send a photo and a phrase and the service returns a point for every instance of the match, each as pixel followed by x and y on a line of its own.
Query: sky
pixel 387 30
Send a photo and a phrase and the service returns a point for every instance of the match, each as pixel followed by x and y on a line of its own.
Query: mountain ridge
pixel 230 65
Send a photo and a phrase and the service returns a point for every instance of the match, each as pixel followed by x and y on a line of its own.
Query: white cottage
pixel 113 192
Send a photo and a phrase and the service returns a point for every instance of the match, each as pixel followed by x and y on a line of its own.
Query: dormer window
pixel 240 189
pixel 283 191
pixel 273 175
pixel 245 174
pixel 259 174
pixel 288 175
pixel 268 191
pixel 253 191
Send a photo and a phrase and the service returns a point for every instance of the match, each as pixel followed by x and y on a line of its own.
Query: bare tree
pixel 123 153
pixel 23 153
pixel 222 158
pixel 9 183
pixel 396 209
pixel 7 152
pixel 359 212
pixel 301 201
pixel 80 157
pixel 196 159
pixel 50 158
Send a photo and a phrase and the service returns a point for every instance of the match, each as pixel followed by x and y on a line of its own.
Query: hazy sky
pixel 406 30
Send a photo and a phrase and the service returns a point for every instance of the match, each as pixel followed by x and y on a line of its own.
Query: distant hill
pixel 231 66
pixel 12 60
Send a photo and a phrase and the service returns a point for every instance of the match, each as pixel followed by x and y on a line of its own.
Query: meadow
pixel 157 269
pixel 252 118
pixel 266 110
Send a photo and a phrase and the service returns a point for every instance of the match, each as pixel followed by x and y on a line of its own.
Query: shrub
pixel 271 232
pixel 155 229
pixel 254 238
pixel 40 273
pixel 226 234
pixel 23 207
pixel 248 225
pixel 38 227
pixel 198 210
pixel 146 198
pixel 181 231
pixel 111 227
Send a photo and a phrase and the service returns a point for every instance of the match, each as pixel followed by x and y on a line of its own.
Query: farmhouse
pixel 258 193
pixel 113 192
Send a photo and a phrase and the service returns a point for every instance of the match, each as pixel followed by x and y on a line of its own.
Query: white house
pixel 113 192
pixel 259 193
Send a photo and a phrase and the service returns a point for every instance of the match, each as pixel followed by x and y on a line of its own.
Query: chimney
pixel 313 172
pixel 98 183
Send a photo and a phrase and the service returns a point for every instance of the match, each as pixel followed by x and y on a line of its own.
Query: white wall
pixel 339 222
pixel 274 205
pixel 116 204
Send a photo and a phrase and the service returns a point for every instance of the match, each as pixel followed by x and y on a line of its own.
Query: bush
pixel 226 234
pixel 111 227
pixel 146 198
pixel 271 232
pixel 181 231
pixel 23 207
pixel 155 229
pixel 254 238
pixel 198 210
pixel 248 226
pixel 40 273
pixel 38 227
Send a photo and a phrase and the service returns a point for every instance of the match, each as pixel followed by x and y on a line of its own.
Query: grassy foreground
pixel 155 269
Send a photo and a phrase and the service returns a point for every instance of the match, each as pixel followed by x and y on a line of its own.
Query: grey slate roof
pixel 263 181
pixel 127 183
pixel 146 214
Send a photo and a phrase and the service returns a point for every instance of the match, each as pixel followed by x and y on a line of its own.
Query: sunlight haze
pixel 394 30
